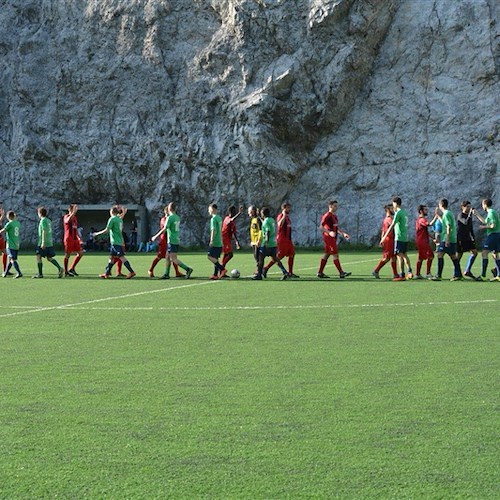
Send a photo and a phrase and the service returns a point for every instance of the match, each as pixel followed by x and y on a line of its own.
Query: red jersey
pixel 228 229
pixel 331 223
pixel 285 228
pixel 163 235
pixel 421 232
pixel 389 241
pixel 70 228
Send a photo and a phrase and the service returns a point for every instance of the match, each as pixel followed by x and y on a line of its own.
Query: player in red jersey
pixel 72 242
pixel 162 248
pixel 2 244
pixel 387 246
pixel 422 241
pixel 229 233
pixel 330 228
pixel 286 248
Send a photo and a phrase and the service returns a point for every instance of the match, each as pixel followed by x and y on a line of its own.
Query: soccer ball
pixel 235 273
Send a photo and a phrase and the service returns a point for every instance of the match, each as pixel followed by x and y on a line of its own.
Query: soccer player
pixel 12 232
pixel 330 228
pixel 215 243
pixel 72 241
pixel 162 248
pixel 2 243
pixel 114 228
pixel 229 233
pixel 465 237
pixel 448 242
pixel 400 226
pixel 286 248
pixel 255 231
pixel 268 245
pixel 45 244
pixel 171 227
pixel 388 245
pixel 422 242
pixel 492 240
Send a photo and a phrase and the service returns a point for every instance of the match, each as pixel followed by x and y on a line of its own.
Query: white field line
pixel 330 261
pixel 31 309
pixel 82 306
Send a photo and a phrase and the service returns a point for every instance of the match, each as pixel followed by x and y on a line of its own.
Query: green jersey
pixel 45 232
pixel 12 233
pixel 401 225
pixel 269 232
pixel 115 227
pixel 492 217
pixel 216 228
pixel 449 222
pixel 172 225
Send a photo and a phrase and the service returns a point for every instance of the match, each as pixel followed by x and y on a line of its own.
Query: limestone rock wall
pixel 248 101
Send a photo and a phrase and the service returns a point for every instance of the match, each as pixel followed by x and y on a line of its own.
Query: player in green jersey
pixel 171 228
pixel 215 243
pixel 45 244
pixel 400 225
pixel 268 245
pixel 492 241
pixel 448 242
pixel 12 232
pixel 114 228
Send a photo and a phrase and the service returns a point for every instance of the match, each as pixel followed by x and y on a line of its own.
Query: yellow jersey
pixel 255 230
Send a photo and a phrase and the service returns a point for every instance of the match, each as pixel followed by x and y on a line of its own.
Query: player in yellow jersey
pixel 255 231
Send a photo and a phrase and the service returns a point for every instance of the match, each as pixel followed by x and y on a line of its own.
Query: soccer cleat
pixel 409 276
pixel 37 276
pixel 322 275
pixel 151 274
pixel 285 277
pixel 189 272
pixel 4 275
pixel 68 275
pixel 130 275
pixel 376 275
pixel 468 274
pixel 120 275
pixel 399 278
pixel 18 275
pixel 164 277
pixel 456 278
pixel 343 274
pixel 293 275
pixel 496 278
pixel 481 278
pixel 428 276
pixel 73 272
pixel 436 278
pixel 8 273
pixel 257 277
pixel 214 277
pixel 104 276
pixel 180 275
pixel 223 274
pixel 418 277
pixel 264 272
pixel 60 274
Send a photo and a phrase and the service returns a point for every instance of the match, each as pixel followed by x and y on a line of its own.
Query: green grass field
pixel 355 388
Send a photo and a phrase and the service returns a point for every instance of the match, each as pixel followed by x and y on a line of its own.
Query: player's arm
pixel 389 229
pixel 162 230
pixel 343 233
pixel 123 212
pixel 479 217
pixel 103 231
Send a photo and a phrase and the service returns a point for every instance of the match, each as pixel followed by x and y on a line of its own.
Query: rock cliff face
pixel 249 101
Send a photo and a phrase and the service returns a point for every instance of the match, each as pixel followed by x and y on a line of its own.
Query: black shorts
pixel 465 246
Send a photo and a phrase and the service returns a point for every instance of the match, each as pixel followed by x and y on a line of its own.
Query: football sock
pixel 419 267
pixel 485 267
pixel 470 261
pixel 458 271
pixel 394 267
pixel 128 266
pixel 75 261
pixel 40 267
pixel 337 265
pixel 429 265
pixel 182 265
pixel 167 270
pixel 290 263
pixel 16 267
pixel 227 258
pixel 440 266
pixel 282 267
pixel 497 263
pixel 380 265
pixel 271 264
pixel 322 265
pixel 66 260
pixel 109 267
pixel 7 269
pixel 4 261
pixel 55 263
pixel 119 266
pixel 153 264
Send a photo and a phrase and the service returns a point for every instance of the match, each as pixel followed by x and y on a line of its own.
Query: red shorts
pixel 285 248
pixel 72 246
pixel 388 250
pixel 2 243
pixel 227 246
pixel 425 252
pixel 162 250
pixel 330 245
